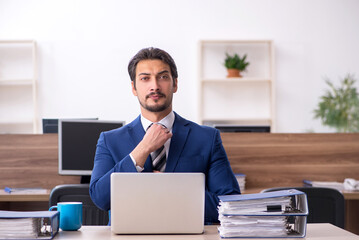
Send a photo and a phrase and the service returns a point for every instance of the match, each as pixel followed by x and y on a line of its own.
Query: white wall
pixel 84 48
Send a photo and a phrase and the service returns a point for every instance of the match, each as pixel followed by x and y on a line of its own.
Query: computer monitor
pixel 51 125
pixel 240 128
pixel 77 144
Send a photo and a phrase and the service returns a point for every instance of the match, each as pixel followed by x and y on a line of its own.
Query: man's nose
pixel 154 85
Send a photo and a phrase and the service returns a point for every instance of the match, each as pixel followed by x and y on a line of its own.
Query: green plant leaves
pixel 339 107
pixel 236 62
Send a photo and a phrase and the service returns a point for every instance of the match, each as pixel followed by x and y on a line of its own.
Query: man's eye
pixel 144 78
pixel 164 76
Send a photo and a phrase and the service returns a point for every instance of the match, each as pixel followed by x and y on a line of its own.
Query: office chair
pixel 325 205
pixel 91 215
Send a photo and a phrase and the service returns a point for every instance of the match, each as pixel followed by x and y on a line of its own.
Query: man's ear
pixel 175 85
pixel 134 91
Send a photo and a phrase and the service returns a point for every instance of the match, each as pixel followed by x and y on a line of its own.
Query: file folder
pixel 265 215
pixel 29 225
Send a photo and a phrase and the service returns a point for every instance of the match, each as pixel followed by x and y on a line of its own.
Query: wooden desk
pixel 268 160
pixel 24 197
pixel 31 160
pixel 351 195
pixel 317 231
pixel 20 201
pixel 348 195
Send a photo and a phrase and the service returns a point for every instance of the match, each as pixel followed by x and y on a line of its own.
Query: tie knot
pixel 162 125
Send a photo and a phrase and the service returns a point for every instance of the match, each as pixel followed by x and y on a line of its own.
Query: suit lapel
pixel 136 133
pixel 180 132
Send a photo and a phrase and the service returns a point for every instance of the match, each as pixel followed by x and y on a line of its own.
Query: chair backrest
pixel 326 205
pixel 92 215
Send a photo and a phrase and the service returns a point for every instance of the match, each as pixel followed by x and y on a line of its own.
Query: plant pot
pixel 233 73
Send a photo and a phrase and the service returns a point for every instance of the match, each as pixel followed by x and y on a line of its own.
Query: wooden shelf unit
pixel 249 100
pixel 18 86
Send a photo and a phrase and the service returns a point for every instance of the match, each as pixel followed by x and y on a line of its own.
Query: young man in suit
pixel 188 147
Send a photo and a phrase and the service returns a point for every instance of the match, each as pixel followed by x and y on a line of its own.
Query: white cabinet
pixel 18 80
pixel 248 100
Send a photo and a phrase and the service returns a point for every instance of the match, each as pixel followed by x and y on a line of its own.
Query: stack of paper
pixel 28 225
pixel 241 178
pixel 271 214
pixel 351 184
pixel 17 228
pixel 231 206
pixel 253 226
pixel 336 185
pixel 25 190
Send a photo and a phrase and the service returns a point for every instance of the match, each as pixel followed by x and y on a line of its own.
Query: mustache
pixel 155 93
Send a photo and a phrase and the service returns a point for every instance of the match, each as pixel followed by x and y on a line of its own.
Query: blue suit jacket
pixel 193 148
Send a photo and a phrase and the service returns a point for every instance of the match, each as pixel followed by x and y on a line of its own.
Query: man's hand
pixel 155 137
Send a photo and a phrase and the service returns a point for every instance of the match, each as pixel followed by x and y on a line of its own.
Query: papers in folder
pixel 349 184
pixel 28 225
pixel 255 206
pixel 253 226
pixel 271 214
pixel 336 185
pixel 19 228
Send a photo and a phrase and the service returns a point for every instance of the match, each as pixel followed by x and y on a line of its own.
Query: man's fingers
pixel 156 136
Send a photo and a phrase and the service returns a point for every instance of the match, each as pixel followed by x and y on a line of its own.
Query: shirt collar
pixel 167 121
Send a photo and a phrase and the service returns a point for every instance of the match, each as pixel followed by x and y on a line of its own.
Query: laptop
pixel 157 203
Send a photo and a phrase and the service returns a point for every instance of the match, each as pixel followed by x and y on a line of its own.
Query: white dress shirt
pixel 166 121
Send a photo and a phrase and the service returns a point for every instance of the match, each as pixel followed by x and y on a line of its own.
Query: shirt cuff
pixel 139 169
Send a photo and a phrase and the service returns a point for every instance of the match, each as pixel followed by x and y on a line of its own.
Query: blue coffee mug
pixel 70 215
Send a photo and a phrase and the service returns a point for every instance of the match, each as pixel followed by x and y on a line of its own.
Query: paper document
pixel 28 225
pixel 26 190
pixel 271 214
pixel 258 206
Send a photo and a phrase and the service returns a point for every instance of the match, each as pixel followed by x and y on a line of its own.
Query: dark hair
pixel 148 54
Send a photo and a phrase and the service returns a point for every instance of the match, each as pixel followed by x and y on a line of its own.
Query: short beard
pixel 157 108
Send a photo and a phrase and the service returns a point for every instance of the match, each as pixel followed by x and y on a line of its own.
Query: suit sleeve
pixel 220 179
pixel 104 165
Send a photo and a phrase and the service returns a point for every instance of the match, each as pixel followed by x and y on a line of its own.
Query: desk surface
pixel 21 196
pixel 351 195
pixel 317 231
pixel 44 197
pixel 348 195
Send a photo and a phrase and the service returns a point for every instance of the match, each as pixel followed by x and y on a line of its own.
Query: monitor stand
pixel 85 179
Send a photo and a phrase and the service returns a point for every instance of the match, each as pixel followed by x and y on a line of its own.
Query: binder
pixel 29 225
pixel 264 215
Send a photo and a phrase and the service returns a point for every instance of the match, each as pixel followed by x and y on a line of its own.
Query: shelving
pixel 16 82
pixel 18 86
pixel 236 101
pixel 236 80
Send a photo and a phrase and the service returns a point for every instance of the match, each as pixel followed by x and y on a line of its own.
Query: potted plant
pixel 235 64
pixel 339 107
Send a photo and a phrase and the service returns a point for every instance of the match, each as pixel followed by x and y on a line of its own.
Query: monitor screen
pixel 77 144
pixel 239 128
pixel 50 125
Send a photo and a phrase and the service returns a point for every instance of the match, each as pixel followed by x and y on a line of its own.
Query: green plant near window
pixel 236 62
pixel 339 107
